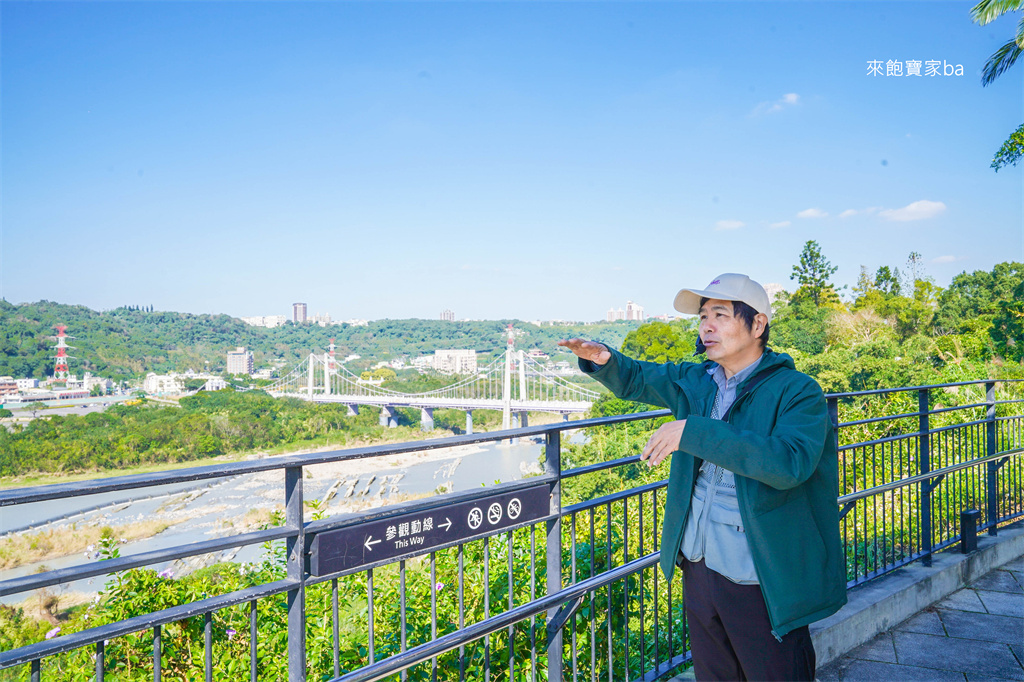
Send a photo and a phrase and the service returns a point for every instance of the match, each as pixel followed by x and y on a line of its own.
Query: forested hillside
pixel 125 344
pixel 895 327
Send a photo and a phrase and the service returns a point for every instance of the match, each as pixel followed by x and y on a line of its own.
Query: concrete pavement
pixel 976 633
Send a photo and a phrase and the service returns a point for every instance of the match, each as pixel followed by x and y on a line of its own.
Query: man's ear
pixel 760 322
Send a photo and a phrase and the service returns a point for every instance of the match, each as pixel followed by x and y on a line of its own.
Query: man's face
pixel 724 334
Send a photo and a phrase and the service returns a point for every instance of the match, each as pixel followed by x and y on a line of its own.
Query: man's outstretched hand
pixel 597 353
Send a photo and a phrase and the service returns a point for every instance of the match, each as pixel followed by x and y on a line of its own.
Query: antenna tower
pixel 60 367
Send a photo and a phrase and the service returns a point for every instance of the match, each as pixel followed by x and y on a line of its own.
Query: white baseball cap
pixel 728 287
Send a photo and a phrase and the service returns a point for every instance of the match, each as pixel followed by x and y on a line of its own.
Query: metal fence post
pixel 992 483
pixel 553 544
pixel 833 416
pixel 296 549
pixel 924 467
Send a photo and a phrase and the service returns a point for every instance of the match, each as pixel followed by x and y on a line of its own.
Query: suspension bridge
pixel 513 383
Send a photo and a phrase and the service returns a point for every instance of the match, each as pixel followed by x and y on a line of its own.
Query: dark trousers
pixel 731 635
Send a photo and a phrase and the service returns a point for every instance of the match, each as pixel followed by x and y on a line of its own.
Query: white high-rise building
pixel 299 313
pixel 634 311
pixel 447 315
pixel 455 361
pixel 239 361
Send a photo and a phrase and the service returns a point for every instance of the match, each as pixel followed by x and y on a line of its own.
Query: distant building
pixel 215 384
pixel 357 322
pixel 633 311
pixel 264 373
pixel 447 315
pixel 269 321
pixel 773 290
pixel 25 384
pixel 8 386
pixel 423 362
pixel 162 383
pixel 106 385
pixel 455 361
pixel 322 320
pixel 299 313
pixel 239 361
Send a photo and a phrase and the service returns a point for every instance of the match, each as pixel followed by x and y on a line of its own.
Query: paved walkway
pixel 974 634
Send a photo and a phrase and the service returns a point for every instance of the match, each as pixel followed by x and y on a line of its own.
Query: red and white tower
pixel 60 367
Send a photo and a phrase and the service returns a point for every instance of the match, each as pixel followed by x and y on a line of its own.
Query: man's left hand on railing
pixel 663 443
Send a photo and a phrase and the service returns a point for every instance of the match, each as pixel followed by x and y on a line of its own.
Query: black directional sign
pixel 419 532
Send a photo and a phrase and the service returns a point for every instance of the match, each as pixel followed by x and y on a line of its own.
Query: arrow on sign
pixel 370 542
pixel 446 525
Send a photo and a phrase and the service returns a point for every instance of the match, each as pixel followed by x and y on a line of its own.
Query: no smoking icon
pixel 494 513
pixel 515 508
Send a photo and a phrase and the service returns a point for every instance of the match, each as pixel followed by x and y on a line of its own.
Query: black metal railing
pixel 574 591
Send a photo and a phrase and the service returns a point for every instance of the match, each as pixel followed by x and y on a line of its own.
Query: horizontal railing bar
pixel 614 497
pixel 907 415
pixel 912 434
pixel 910 480
pixel 428 650
pixel 660 669
pixel 951 427
pixel 600 466
pixel 76 640
pixel 102 485
pixel 1008 402
pixel 880 391
pixel 957 407
pixel 872 420
pixel 64 575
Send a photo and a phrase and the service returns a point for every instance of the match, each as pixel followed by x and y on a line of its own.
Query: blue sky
pixel 531 160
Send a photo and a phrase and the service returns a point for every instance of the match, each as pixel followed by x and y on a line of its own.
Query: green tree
pixel 813 272
pixel 662 341
pixel 888 281
pixel 1008 326
pixel 1001 60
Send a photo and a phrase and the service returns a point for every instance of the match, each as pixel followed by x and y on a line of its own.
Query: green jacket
pixel 778 440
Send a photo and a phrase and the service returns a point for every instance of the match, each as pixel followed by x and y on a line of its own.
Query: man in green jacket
pixel 751 515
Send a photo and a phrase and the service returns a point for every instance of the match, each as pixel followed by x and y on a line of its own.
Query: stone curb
pixel 883 603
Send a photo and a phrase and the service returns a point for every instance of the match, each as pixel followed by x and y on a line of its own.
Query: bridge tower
pixel 309 375
pixel 60 367
pixel 329 367
pixel 506 391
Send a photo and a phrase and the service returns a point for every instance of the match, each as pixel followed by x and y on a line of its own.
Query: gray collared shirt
pixel 714 528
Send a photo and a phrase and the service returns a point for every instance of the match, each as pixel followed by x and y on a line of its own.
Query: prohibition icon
pixel 476 517
pixel 494 513
pixel 515 507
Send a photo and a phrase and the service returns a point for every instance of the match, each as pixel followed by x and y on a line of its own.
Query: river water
pixel 219 507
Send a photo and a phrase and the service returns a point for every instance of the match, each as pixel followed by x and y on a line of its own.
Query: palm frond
pixel 990 10
pixel 1000 61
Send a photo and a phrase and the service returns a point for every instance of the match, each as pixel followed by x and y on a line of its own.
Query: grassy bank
pixel 27 548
